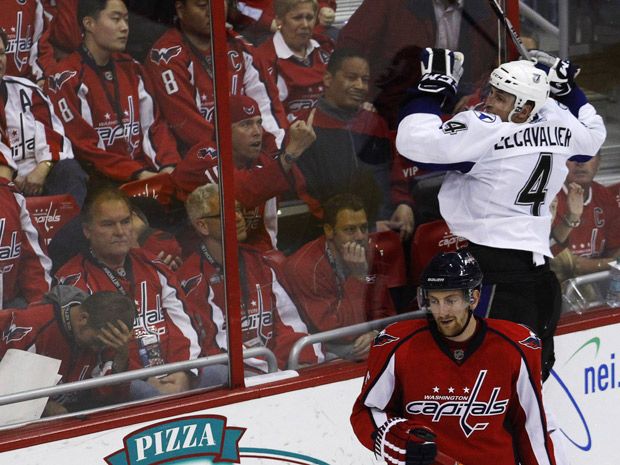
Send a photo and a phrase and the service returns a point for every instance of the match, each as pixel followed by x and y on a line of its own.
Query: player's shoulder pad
pixel 397 332
pixel 518 333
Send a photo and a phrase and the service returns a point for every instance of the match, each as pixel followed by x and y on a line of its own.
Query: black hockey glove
pixel 562 73
pixel 401 441
pixel 441 70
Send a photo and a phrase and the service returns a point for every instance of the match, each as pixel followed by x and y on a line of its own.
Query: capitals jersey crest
pixel 164 55
pixel 15 333
pixel 532 341
pixel 384 338
pixel 190 284
pixel 70 280
pixel 57 80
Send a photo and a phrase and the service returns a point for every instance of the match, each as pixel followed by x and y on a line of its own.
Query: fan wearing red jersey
pixel 425 377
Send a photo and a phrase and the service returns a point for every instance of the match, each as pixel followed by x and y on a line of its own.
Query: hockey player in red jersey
pixel 104 100
pixel 180 65
pixel 466 386
pixel 269 317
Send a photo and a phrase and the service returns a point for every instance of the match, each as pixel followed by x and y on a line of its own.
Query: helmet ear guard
pixel 523 80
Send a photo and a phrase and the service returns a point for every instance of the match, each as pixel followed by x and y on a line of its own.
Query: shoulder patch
pixel 532 341
pixel 164 55
pixel 485 117
pixel 56 81
pixel 190 284
pixel 452 127
pixel 70 280
pixel 383 338
pixel 15 333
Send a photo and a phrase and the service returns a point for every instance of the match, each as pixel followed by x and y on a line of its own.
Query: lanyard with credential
pixel 114 278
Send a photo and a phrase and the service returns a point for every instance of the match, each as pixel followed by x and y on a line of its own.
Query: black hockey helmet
pixel 447 271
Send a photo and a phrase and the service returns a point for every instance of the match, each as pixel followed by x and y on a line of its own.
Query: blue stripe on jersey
pixel 574 100
pixel 421 103
pixel 463 167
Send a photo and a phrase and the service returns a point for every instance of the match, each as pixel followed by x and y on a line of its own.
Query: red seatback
pixel 615 190
pixel 50 213
pixel 428 240
pixel 160 187
pixel 388 246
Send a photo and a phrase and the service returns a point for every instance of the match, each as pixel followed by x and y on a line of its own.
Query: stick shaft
pixel 516 39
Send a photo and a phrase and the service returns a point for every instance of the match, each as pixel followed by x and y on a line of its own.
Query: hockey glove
pixel 441 70
pixel 403 442
pixel 562 73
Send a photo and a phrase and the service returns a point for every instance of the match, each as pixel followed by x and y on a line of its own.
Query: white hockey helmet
pixel 523 80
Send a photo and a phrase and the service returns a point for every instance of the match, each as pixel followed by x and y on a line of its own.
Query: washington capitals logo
pixel 532 341
pixel 207 152
pixel 71 279
pixel 249 110
pixel 384 338
pixel 190 284
pixel 14 332
pixel 57 80
pixel 164 54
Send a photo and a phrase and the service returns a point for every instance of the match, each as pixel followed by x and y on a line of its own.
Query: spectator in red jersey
pixel 24 23
pixel 163 332
pixel 588 230
pixel 105 102
pixel 89 334
pixel 337 281
pixel 296 61
pixel 24 265
pixel 259 178
pixel 269 317
pixel 353 150
pixel 181 67
pixel 34 138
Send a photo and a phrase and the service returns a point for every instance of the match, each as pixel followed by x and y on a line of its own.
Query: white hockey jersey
pixel 503 175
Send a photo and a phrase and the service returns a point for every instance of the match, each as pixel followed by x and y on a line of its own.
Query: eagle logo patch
pixel 207 152
pixel 56 81
pixel 190 284
pixel 15 333
pixel 383 338
pixel 532 341
pixel 70 280
pixel 164 55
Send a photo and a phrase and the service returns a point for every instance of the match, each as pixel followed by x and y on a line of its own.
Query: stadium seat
pixel 428 240
pixel 50 213
pixel 388 246
pixel 159 187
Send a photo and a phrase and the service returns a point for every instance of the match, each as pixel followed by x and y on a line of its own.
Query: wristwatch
pixel 569 223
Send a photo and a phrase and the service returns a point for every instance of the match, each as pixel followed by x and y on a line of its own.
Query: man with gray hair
pixel 269 318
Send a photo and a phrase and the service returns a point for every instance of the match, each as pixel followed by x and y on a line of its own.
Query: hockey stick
pixel 444 459
pixel 516 39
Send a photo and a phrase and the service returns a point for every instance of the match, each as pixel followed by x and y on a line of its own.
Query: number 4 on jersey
pixel 535 190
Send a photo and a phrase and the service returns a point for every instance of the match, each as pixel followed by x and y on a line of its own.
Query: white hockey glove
pixel 403 442
pixel 441 70
pixel 562 73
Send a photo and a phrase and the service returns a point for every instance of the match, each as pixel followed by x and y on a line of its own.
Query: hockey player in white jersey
pixel 506 164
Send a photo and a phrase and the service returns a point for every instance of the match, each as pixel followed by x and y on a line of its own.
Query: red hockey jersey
pixel 110 116
pixel 183 80
pixel 484 407
pixel 268 315
pixel 24 22
pixel 328 300
pixel 300 82
pixel 29 126
pixel 599 231
pixel 256 188
pixel 159 301
pixel 24 265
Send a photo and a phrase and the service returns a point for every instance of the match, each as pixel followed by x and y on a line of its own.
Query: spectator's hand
pixel 441 70
pixel 361 345
pixel 146 174
pixel 574 202
pixel 172 383
pixel 54 408
pixel 369 106
pixel 274 25
pixel 327 16
pixel 402 221
pixel 6 172
pixel 117 337
pixel 32 183
pixel 562 73
pixel 301 136
pixel 354 258
pixel 173 262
